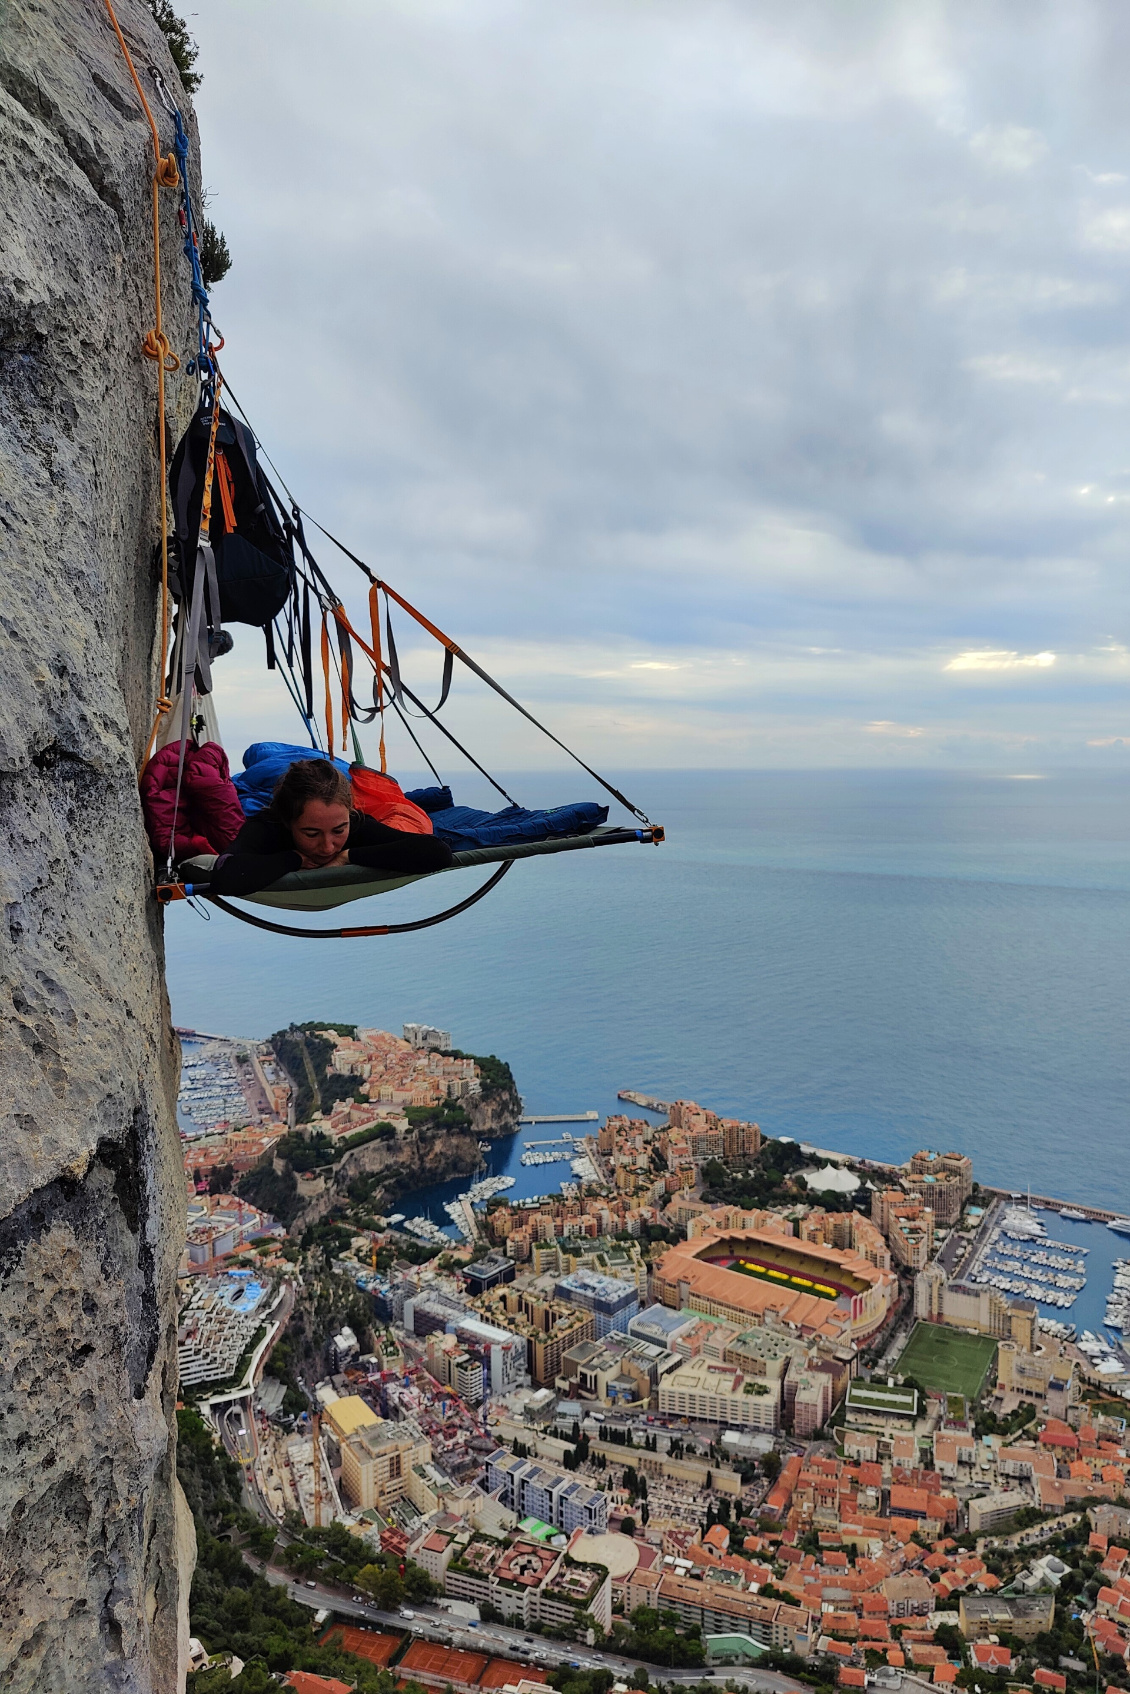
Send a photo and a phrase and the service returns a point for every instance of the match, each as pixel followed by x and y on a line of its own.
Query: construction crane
pixel 317 1470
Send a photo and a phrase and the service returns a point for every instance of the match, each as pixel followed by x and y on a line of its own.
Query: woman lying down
pixel 311 824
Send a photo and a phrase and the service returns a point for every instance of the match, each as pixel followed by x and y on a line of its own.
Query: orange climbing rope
pixel 156 346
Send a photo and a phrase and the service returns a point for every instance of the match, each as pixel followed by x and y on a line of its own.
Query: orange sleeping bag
pixel 381 797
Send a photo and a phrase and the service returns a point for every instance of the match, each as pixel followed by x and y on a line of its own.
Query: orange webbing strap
pixel 227 491
pixel 210 463
pixel 375 621
pixel 329 696
pixel 156 346
pixel 444 640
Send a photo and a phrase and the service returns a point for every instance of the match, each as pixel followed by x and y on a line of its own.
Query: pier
pixel 1094 1214
pixel 565 1117
pixel 647 1101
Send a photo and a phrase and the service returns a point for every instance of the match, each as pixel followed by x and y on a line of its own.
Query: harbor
pixel 1079 1279
pixel 1019 1258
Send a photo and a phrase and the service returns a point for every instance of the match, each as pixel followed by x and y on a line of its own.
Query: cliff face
pixel 95 1541
pixel 495 1114
pixel 414 1163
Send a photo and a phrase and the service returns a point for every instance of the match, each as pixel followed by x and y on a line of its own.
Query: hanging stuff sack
pixel 251 542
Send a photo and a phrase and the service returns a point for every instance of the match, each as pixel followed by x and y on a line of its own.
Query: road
pixel 431 1623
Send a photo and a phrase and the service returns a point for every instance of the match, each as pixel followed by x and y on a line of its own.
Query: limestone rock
pixel 94 1555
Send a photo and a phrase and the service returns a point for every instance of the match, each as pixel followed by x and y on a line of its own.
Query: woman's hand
pixel 308 864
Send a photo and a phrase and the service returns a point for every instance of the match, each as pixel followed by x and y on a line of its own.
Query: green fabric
pixel 321 891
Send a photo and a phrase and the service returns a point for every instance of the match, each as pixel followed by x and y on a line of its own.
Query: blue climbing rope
pixel 203 364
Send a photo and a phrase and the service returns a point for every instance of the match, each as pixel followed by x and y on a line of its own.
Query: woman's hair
pixel 305 780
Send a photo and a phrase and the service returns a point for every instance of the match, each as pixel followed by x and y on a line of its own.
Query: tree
pixel 639 1678
pixel 215 256
pixel 628 1526
pixel 383 1584
pixel 220 1180
pixel 182 49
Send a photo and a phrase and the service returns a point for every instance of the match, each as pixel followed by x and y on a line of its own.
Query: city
pixel 721 1404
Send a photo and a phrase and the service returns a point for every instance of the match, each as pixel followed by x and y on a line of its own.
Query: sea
pixel 869 961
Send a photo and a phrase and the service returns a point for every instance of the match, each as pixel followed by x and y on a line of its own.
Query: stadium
pixel 747 1275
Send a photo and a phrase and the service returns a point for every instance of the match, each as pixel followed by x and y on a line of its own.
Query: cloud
pixel 997 660
pixel 731 376
pixel 907 732
pixel 1008 147
pixel 1106 228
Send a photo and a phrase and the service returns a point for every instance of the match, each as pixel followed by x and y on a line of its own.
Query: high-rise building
pixel 376 1461
pixel 942 1181
pixel 612 1303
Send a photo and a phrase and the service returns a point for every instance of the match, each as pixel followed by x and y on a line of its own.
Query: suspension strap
pixel 329 696
pixel 484 676
pixel 378 679
pixel 394 665
pixel 195 650
pixel 340 615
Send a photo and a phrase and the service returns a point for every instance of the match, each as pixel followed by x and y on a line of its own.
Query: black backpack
pixel 251 541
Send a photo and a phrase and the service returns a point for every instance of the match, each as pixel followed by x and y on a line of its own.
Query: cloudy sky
pixel 745 384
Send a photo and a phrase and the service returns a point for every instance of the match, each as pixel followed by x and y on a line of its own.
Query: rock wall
pixel 415 1162
pixel 96 1544
pixel 495 1114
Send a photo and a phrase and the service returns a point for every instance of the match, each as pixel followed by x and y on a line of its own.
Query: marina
pixel 210 1097
pixel 459 1210
pixel 1019 1258
pixel 1118 1300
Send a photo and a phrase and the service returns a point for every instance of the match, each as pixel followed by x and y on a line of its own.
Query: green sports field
pixel 947 1359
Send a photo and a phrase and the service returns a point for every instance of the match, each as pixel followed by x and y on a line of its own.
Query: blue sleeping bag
pixel 264 763
pixel 459 826
pixel 462 826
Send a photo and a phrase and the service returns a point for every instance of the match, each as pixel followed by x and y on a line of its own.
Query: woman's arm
pixel 259 855
pixel 397 851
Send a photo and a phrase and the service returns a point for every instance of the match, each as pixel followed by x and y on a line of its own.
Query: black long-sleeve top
pixel 264 850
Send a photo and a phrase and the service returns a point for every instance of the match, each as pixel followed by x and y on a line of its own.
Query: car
pixel 527 1638
pixel 311 1585
pixel 405 1613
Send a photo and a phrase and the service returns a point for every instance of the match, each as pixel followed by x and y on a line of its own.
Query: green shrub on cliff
pixel 495 1074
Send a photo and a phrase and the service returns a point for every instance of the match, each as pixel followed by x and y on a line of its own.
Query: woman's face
pixel 321 832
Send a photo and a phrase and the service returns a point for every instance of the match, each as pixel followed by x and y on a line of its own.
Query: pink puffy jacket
pixel 209 817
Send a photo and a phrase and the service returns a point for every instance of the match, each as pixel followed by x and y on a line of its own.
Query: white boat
pixel 1122 1225
pixel 1070 1212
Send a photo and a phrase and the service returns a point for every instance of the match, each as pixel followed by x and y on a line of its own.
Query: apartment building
pixel 996 1508
pixel 533 1490
pixel 942 1181
pixel 720 1393
pixel 937 1300
pixel 907 1225
pixel 376 1462
pixel 719 1609
pixel 547 1327
pixel 613 1303
pixel 528 1581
